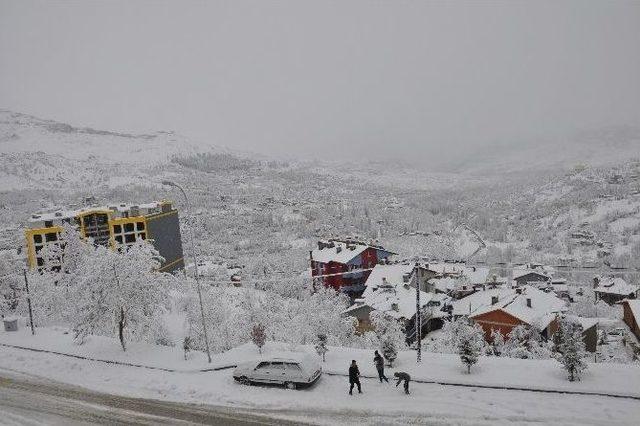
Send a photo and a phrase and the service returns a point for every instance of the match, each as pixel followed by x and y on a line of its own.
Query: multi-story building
pixel 112 225
pixel 345 265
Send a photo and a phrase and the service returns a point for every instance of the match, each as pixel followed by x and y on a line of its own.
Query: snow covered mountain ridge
pixel 21 133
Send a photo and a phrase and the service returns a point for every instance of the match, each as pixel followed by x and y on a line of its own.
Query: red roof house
pixel 333 260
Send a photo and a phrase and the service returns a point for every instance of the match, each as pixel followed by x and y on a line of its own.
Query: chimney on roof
pixel 338 249
pixel 596 282
pixel 519 290
pixel 528 302
pixel 494 300
pixel 394 306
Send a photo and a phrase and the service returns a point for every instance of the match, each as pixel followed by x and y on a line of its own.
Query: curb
pixel 127 364
pixel 468 385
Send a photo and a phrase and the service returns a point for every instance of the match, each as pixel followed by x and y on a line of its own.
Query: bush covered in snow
pixel 571 349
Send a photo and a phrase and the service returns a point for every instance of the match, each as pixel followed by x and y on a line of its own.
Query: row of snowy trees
pixel 95 290
pixel 466 338
pixel 232 314
pixel 522 342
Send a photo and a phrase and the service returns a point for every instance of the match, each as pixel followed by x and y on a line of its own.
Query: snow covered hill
pixel 45 154
pixel 545 211
pixel 20 133
pixel 595 148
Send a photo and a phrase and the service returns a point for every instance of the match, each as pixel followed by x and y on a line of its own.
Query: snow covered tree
pixel 526 343
pixel 119 290
pixel 470 344
pixel 517 344
pixel 321 346
pixel 390 335
pixel 497 342
pixel 53 289
pixel 447 340
pixel 258 337
pixel 12 282
pixel 571 349
pixel 389 351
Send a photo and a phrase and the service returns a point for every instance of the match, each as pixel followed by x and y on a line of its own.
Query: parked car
pixel 294 370
pixel 618 331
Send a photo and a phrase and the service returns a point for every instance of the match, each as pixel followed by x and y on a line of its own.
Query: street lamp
pixel 195 264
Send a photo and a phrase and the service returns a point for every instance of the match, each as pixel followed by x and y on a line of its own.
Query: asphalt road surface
pixel 26 400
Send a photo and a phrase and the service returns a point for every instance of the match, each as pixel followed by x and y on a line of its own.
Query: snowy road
pixel 27 400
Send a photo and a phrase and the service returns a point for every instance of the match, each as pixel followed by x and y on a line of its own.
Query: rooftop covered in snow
pixel 527 303
pixel 390 290
pixel 340 251
pixel 617 286
pixel 117 210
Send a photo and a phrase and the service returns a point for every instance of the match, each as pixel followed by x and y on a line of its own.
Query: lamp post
pixel 195 266
pixel 418 322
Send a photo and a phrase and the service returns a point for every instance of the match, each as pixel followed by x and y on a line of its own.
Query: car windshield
pixel 293 367
pixel 277 365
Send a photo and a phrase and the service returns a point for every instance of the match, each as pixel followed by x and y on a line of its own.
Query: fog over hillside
pixel 70 163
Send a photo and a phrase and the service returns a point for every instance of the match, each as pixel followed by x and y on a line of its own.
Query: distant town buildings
pixel 530 295
pixel 613 289
pixel 524 277
pixel 112 225
pixel 391 289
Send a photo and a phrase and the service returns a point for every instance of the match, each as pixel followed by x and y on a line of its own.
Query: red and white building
pixel 333 261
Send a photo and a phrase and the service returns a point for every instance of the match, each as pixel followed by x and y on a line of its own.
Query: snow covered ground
pixel 328 402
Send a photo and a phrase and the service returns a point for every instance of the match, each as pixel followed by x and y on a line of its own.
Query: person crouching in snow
pixel 403 376
pixel 354 377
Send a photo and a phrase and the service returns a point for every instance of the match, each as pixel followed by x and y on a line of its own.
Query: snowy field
pixel 328 402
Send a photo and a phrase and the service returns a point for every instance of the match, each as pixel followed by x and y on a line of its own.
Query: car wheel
pixel 244 380
pixel 289 385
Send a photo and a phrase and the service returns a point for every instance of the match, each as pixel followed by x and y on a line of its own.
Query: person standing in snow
pixel 403 376
pixel 354 377
pixel 379 362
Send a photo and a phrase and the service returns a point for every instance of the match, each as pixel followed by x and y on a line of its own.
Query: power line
pixel 15 274
pixel 505 267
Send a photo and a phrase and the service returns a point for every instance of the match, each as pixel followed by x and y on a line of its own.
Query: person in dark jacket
pixel 400 376
pixel 354 377
pixel 379 362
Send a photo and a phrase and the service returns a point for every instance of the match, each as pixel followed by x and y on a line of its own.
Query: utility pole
pixel 26 285
pixel 418 315
pixel 195 267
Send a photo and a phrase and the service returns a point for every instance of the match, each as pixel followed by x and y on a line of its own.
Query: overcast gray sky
pixel 323 77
